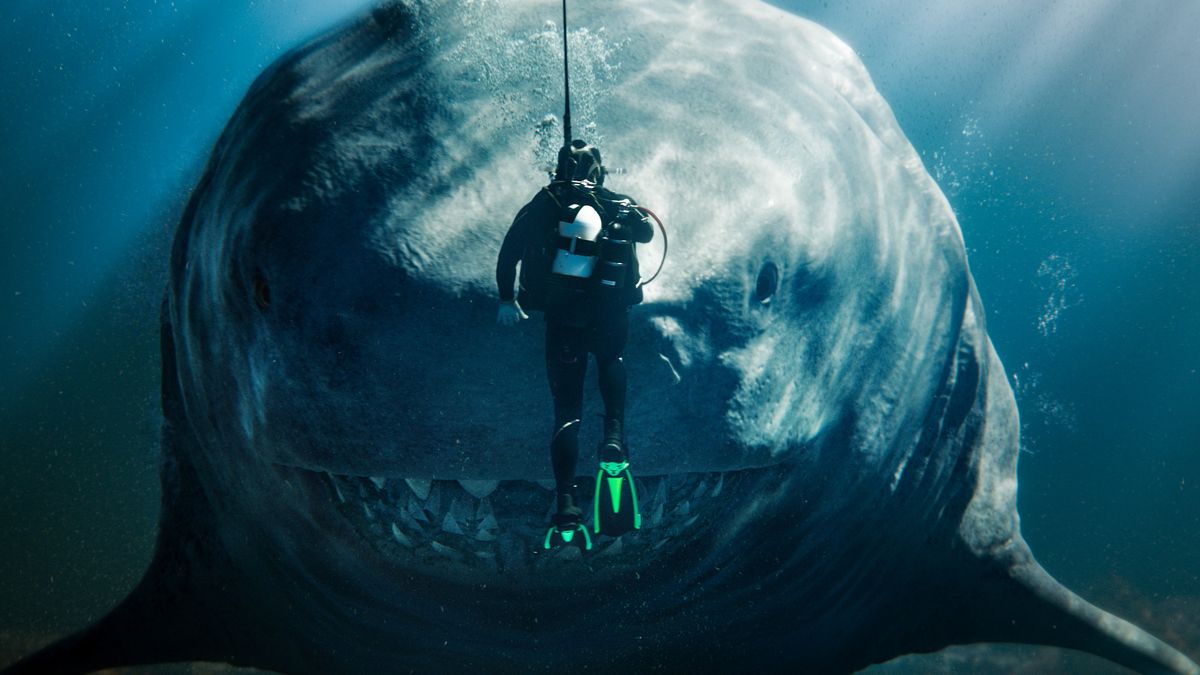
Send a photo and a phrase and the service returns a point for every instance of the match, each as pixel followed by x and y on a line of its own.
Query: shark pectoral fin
pixel 175 613
pixel 1027 605
pixel 172 615
pixel 1060 617
pixel 144 628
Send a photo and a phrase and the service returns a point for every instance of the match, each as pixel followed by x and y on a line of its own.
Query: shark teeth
pixel 479 488
pixel 484 510
pixel 410 521
pixel 400 537
pixel 488 528
pixel 419 487
pixel 446 551
pixel 415 511
pixel 658 504
pixel 449 524
pixel 434 503
pixel 656 515
pixel 613 548
pixel 336 489
pixel 461 509
pixel 465 528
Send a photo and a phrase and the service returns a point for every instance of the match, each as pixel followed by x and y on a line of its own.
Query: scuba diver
pixel 576 242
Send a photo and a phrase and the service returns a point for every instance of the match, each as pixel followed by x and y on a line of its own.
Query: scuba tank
pixel 578 232
pixel 588 249
pixel 576 251
pixel 616 255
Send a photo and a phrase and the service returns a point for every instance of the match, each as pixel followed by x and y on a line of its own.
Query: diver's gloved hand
pixel 510 314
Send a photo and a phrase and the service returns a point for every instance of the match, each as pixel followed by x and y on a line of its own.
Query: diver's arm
pixel 510 253
pixel 639 223
pixel 510 313
pixel 640 226
pixel 643 231
pixel 506 263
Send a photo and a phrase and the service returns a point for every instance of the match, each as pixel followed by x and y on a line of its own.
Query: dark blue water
pixel 1064 137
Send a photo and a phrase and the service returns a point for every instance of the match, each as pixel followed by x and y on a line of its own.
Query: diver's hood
pixel 579 161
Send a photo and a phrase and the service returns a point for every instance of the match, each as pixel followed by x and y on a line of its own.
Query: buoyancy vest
pixel 586 258
pixel 578 248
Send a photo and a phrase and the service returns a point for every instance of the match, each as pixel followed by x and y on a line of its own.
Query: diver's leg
pixel 610 339
pixel 614 502
pixel 566 365
pixel 613 384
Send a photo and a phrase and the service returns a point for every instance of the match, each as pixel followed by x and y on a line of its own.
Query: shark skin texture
pixel 355 457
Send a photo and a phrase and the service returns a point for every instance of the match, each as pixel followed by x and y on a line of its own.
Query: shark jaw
pixel 474 532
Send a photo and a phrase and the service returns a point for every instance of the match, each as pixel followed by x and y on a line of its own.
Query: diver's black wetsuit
pixel 572 332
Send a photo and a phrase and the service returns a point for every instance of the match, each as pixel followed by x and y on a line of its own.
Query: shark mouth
pixel 475 531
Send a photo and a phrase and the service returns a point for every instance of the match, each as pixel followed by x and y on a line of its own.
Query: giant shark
pixel 355 462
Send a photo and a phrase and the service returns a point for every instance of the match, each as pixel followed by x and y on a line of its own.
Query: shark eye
pixel 768 282
pixel 262 292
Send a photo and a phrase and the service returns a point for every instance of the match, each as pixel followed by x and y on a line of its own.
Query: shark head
pixel 357 456
pixel 334 290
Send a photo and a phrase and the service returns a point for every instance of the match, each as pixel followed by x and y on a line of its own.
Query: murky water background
pixel 1063 135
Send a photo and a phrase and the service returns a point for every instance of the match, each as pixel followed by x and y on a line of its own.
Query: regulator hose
pixel 662 229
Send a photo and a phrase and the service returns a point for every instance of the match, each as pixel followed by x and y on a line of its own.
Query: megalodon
pixel 355 457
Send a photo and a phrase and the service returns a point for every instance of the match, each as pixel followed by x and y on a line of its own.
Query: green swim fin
pixel 568 534
pixel 566 526
pixel 614 503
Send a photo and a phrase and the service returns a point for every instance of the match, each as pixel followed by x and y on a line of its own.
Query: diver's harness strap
pixel 585 191
pixel 581 189
pixel 579 246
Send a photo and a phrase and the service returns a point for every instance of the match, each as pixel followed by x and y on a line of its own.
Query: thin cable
pixel 566 83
